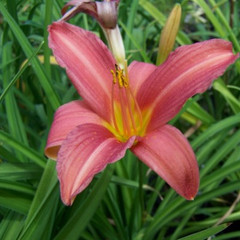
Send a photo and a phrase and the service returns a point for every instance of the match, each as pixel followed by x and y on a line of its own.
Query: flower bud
pixel 169 34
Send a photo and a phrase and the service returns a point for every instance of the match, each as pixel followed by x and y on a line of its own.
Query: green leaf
pixel 15 202
pixel 179 206
pixel 216 128
pixel 28 152
pixel 19 73
pixel 19 188
pixel 28 50
pixel 205 233
pixel 208 11
pixel 135 43
pixel 224 22
pixel 42 212
pixel 181 38
pixel 19 171
pixel 222 152
pixel 11 225
pixel 196 110
pixel 221 173
pixel 84 213
pixel 130 22
pixel 234 103
pixel 15 123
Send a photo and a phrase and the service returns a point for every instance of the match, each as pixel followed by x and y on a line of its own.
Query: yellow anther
pixel 119 76
pixel 114 76
pixel 125 82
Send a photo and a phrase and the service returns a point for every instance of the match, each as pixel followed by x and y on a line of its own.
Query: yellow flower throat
pixel 126 114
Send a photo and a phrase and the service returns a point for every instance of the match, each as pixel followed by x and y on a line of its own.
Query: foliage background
pixel 126 201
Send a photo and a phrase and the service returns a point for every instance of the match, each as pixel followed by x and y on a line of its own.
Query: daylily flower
pixel 127 108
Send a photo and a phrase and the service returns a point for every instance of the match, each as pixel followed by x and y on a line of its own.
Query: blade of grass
pixel 102 224
pixel 233 217
pixel 115 211
pixel 126 193
pixel 179 206
pixel 27 48
pixel 227 236
pixel 17 203
pixel 19 171
pixel 135 43
pixel 217 25
pixel 15 124
pixel 84 213
pixel 182 224
pixel 20 188
pixel 225 149
pixel 130 22
pixel 217 127
pixel 28 152
pixel 205 233
pixel 224 22
pixel 6 154
pixel 19 73
pixel 181 38
pixel 12 8
pixel 42 212
pixel 234 103
pixel 220 174
pixel 11 225
pixel 196 110
pixel 47 21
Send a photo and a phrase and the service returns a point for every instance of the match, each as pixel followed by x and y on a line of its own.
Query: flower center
pixel 126 114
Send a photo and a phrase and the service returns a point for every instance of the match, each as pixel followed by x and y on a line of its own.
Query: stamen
pixel 139 113
pixel 130 110
pixel 113 110
pixel 126 126
pixel 122 80
pixel 131 117
pixel 114 77
pixel 129 96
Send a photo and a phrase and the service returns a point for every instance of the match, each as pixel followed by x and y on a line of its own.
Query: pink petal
pixel 167 152
pixel 66 118
pixel 85 152
pixel 188 70
pixel 138 72
pixel 88 63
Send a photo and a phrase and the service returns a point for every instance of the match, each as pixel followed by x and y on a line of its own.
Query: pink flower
pixel 129 109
